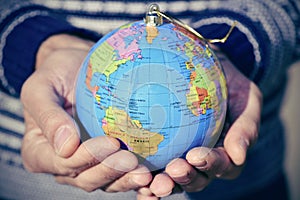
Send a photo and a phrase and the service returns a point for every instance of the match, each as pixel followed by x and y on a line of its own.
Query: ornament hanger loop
pixel 154 17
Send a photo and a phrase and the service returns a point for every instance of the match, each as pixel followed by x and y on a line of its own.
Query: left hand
pixel 51 142
pixel 226 161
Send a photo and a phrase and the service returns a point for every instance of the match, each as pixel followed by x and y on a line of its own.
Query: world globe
pixel 159 89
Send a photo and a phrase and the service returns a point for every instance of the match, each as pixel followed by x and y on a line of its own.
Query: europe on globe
pixel 158 88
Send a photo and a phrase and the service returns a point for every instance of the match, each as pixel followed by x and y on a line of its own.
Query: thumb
pixel 61 130
pixel 237 140
pixel 243 132
pixel 44 105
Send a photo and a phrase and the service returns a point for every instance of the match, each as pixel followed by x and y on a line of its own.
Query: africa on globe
pixel 156 87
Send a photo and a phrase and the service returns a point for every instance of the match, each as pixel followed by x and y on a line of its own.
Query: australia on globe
pixel 159 89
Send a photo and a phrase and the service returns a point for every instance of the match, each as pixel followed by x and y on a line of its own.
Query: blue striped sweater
pixel 263 45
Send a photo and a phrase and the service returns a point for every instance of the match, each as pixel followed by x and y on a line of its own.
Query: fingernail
pixel 197 161
pixel 61 137
pixel 198 156
pixel 201 164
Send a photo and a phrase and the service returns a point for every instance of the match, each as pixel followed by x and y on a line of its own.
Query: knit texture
pixel 264 43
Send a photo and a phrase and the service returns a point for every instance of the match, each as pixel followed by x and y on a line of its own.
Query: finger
pixel 135 179
pixel 215 163
pixel 186 176
pixel 162 185
pixel 109 170
pixel 244 131
pixel 89 153
pixel 145 194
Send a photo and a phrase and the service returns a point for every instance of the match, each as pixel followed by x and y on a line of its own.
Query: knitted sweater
pixel 264 43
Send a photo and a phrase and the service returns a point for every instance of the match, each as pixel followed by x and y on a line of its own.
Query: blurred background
pixel 291 116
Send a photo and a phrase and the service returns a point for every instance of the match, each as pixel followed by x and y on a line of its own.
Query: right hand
pixel 51 142
pixel 226 160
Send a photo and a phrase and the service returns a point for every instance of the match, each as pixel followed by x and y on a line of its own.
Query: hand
pixel 51 143
pixel 225 161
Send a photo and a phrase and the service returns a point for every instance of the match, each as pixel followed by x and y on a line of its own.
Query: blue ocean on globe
pixel 158 89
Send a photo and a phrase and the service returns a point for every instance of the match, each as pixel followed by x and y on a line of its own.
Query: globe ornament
pixel 157 86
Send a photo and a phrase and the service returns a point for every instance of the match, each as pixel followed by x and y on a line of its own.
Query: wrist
pixel 60 41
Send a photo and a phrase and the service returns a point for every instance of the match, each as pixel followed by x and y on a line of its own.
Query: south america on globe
pixel 158 88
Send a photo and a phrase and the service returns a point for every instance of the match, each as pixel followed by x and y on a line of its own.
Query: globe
pixel 159 89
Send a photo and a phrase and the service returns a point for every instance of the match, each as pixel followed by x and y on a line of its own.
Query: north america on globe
pixel 158 89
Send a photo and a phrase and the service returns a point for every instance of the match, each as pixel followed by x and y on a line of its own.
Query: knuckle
pixel 63 170
pixel 50 121
pixel 112 174
pixel 60 170
pixel 47 118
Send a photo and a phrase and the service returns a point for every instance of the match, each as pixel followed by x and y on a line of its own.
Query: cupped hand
pixel 51 142
pixel 226 160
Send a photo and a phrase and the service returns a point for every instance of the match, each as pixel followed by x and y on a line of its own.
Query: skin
pixel 99 163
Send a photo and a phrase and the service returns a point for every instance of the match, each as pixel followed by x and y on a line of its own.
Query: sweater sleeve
pixel 265 39
pixel 22 31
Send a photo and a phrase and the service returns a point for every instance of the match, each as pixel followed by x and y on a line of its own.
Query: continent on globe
pixel 106 59
pixel 118 124
pixel 152 32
